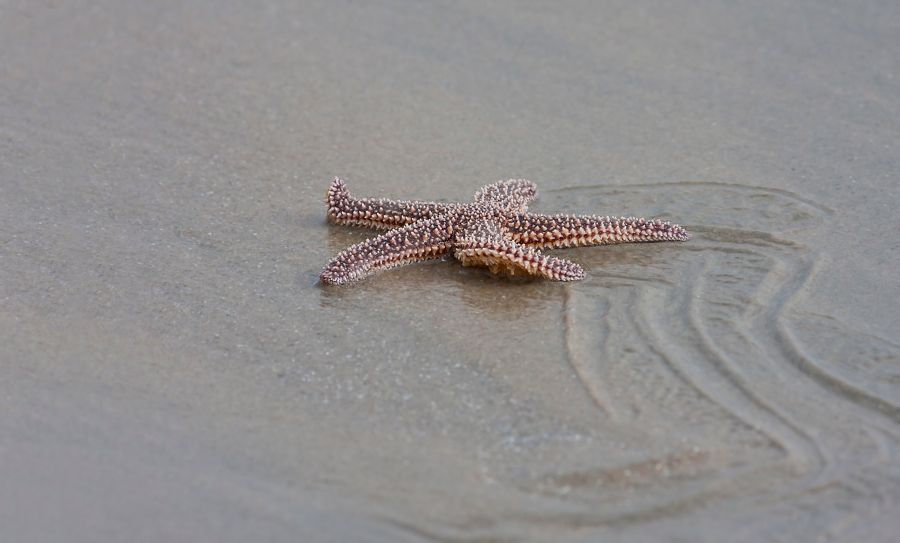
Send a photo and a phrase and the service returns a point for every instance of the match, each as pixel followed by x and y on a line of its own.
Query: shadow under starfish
pixel 496 231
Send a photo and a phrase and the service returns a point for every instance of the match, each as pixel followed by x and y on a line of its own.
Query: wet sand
pixel 170 369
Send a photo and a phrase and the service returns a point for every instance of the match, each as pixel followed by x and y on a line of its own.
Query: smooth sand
pixel 171 370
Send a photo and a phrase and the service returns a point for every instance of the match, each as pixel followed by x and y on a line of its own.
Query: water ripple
pixel 703 341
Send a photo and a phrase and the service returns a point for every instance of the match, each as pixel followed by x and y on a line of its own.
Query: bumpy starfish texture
pixel 495 231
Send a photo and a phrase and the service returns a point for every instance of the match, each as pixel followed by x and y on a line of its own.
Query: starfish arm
pixel 512 194
pixel 484 245
pixel 379 213
pixel 549 231
pixel 421 240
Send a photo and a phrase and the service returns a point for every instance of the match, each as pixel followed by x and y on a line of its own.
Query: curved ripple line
pixel 790 438
pixel 795 355
pixel 597 394
pixel 739 186
pixel 811 453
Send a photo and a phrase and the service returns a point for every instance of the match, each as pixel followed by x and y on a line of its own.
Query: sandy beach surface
pixel 171 369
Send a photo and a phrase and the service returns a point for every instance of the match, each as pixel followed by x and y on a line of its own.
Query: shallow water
pixel 171 368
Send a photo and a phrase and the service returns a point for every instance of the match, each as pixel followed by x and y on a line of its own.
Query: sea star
pixel 495 231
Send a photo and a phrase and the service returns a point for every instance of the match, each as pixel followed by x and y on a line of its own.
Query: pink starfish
pixel 495 231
